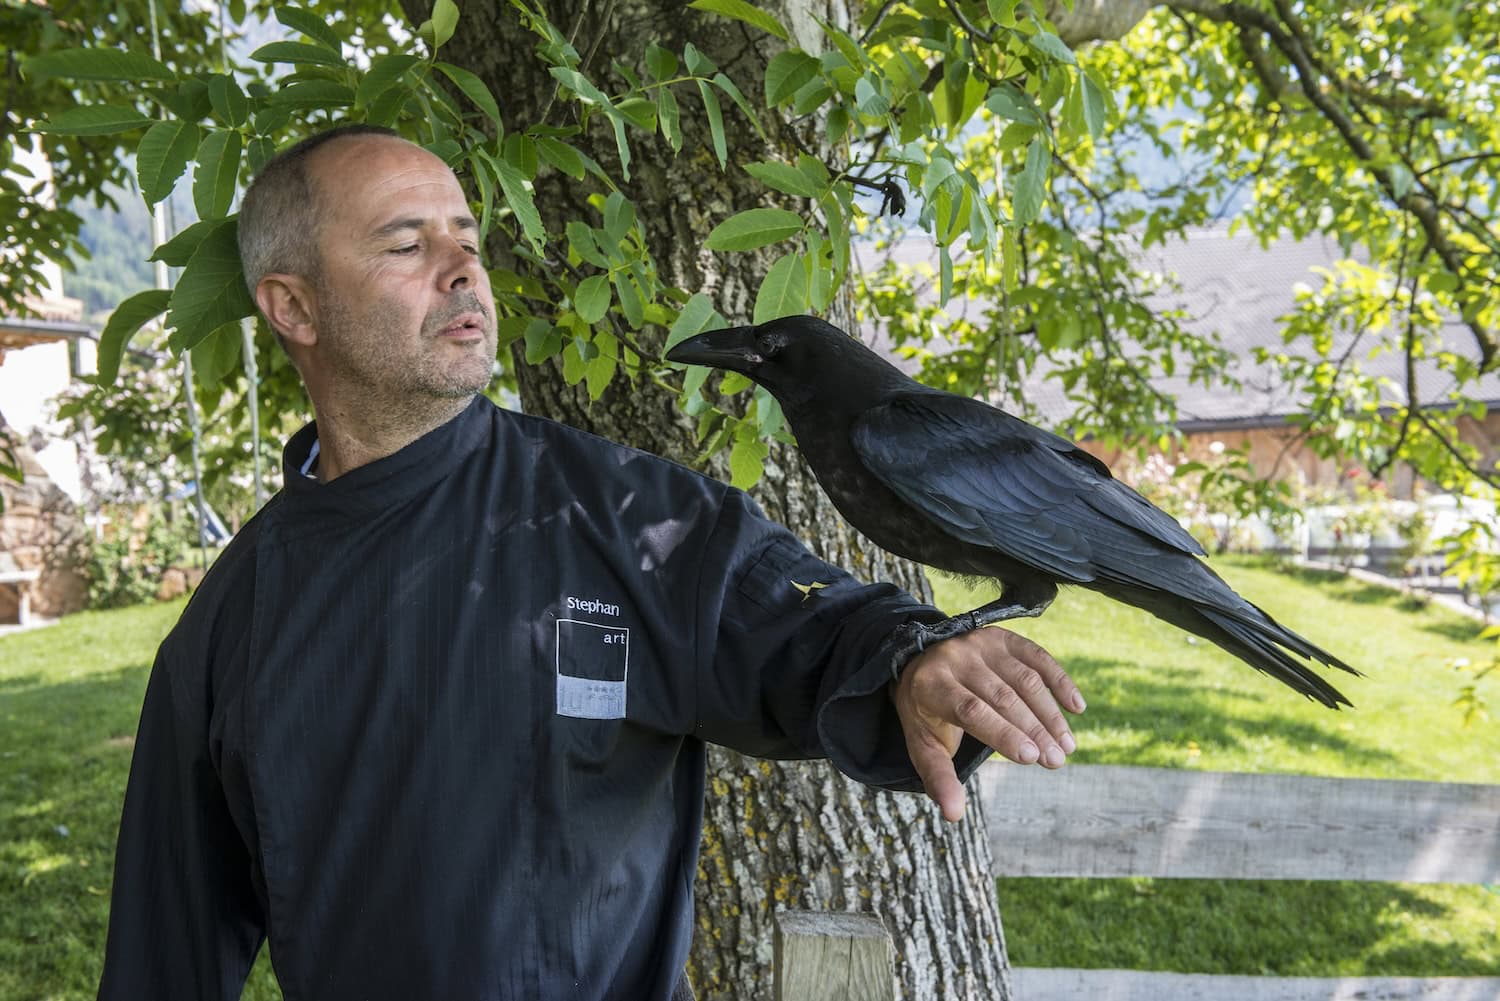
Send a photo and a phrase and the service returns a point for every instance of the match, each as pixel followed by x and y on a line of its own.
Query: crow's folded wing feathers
pixel 993 480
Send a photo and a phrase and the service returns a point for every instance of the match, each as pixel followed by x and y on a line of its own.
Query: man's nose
pixel 461 271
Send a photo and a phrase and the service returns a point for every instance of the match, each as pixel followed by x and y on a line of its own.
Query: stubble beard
pixel 367 351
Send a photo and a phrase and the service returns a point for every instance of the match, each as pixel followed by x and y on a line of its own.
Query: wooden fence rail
pixel 1116 820
pixel 1109 821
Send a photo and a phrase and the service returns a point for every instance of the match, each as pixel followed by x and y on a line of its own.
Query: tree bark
pixel 776 835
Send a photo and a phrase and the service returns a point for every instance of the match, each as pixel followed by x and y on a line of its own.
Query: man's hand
pixel 998 686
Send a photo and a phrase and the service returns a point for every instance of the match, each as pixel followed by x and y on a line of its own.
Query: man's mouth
pixel 466 326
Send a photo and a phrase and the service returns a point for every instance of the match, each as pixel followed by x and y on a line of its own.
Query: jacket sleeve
pixel 796 656
pixel 184 919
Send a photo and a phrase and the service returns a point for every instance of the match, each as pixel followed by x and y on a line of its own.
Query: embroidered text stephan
pixel 590 605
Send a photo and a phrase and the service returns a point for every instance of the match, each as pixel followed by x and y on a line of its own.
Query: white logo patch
pixel 592 665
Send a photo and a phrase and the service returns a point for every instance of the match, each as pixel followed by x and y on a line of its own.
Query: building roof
pixel 18 332
pixel 1229 286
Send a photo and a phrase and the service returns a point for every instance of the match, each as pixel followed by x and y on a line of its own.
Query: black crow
pixel 957 484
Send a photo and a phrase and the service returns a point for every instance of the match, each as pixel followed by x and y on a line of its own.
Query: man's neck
pixel 348 439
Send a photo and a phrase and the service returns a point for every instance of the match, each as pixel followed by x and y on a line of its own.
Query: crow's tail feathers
pixel 1260 645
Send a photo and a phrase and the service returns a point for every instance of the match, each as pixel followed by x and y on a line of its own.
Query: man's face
pixel 403 304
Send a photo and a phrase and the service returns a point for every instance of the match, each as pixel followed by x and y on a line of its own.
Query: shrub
pixel 125 567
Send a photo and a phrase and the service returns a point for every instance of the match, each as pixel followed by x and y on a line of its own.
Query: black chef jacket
pixel 436 726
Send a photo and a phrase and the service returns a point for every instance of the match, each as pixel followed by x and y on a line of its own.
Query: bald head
pixel 284 208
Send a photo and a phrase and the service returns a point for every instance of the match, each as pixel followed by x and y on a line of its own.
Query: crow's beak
pixel 732 348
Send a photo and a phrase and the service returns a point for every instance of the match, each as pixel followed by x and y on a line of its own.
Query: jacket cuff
pixel 861 733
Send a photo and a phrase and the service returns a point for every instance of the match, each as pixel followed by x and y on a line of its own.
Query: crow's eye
pixel 770 344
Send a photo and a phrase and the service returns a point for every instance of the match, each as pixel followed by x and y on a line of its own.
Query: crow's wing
pixel 993 480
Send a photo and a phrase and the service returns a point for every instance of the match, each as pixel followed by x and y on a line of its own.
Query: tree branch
pixel 965 23
pixel 1288 39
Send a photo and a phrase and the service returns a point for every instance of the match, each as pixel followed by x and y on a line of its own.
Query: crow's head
pixel 793 357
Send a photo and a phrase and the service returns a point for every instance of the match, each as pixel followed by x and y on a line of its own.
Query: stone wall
pixel 40 528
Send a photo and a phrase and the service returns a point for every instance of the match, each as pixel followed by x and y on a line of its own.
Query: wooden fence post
pixel 828 956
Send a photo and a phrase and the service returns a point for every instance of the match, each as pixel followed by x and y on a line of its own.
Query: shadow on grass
pixel 1169 711
pixel 14 682
pixel 1278 928
pixel 1455 629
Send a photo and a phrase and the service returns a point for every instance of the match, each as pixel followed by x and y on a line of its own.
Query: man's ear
pixel 288 303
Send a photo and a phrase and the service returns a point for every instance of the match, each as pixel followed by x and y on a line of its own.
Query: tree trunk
pixel 776 835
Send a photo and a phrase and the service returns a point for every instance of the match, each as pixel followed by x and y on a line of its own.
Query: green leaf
pixel 580 85
pixel 162 156
pixel 217 355
pixel 670 118
pixel 1002 12
pixel 619 216
pixel 783 292
pixel 581 242
pixel 754 228
pixel 126 320
pixel 697 63
pixel 1031 183
pixel 1010 259
pixel 297 52
pixel 747 461
pixel 622 144
pixel 814 170
pixel 211 291
pixel 639 112
pixel 94 120
pixel 1010 102
pixel 695 317
pixel 261 149
pixel 727 86
pixel 592 298
pixel 631 301
pixel 820 273
pixel 869 98
pixel 742 11
pixel 662 63
pixel 598 373
pixel 542 341
pixel 218 171
pixel 313 95
pixel 768 415
pixel 782 177
pixel 309 24
pixel 473 88
pixel 715 123
pixel 228 100
pixel 96 64
pixel 562 156
pixel 385 71
pixel 177 251
pixel 787 72
pixel 1050 44
pixel 438 28
pixel 518 197
pixel 945 274
pixel 1095 106
pixel 1401 180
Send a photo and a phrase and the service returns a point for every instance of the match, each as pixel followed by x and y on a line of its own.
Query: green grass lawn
pixel 70 696
pixel 1157 699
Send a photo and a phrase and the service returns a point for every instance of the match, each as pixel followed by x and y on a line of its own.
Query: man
pixel 433 723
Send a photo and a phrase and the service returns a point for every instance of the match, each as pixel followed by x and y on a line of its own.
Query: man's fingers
pixel 934 765
pixel 1052 674
pixel 997 715
pixel 1045 722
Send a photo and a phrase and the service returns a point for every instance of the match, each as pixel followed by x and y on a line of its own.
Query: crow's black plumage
pixel 963 486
